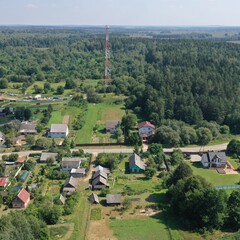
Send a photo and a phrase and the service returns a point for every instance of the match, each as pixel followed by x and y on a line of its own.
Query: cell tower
pixel 108 78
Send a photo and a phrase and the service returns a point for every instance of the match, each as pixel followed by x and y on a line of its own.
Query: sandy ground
pixel 65 119
pixel 195 158
pixel 99 230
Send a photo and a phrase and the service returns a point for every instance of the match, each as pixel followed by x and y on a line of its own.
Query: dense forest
pixel 186 80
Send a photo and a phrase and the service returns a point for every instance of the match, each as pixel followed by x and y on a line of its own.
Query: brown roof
pixel 98 180
pixel 46 155
pixel 145 124
pixel 23 195
pixel 71 182
pixel 135 160
pixel 21 160
pixel 99 173
pixel 114 198
pixel 71 162
pixel 93 198
pixel 27 127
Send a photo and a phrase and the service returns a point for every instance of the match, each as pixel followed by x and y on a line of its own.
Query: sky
pixel 121 12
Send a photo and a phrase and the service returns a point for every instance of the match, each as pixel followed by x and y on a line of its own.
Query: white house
pixel 58 131
pixel 146 129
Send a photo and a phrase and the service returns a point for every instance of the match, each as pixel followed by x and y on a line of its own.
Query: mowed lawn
pixel 55 118
pixel 98 113
pixel 150 228
pixel 213 177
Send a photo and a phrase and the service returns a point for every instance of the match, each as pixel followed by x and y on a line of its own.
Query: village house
pixel 47 155
pixel 111 126
pixel 62 199
pixel 136 165
pixel 69 163
pixel 114 199
pixel 3 182
pixel 103 169
pixel 93 198
pixel 27 128
pixel 78 173
pixel 21 200
pixel 146 130
pixel 214 160
pixel 2 138
pixel 21 160
pixel 58 131
pixel 99 180
pixel 70 185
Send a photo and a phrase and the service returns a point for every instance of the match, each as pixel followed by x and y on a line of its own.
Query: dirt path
pixel 65 119
pixel 69 232
pixel 91 169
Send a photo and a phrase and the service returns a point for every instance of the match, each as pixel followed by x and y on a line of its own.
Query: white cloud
pixel 30 6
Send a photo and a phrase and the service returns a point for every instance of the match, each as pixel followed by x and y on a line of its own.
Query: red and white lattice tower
pixel 108 79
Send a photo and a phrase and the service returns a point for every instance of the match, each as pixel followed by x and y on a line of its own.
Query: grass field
pixel 56 118
pixel 58 232
pixel 97 114
pixel 95 214
pixel 213 177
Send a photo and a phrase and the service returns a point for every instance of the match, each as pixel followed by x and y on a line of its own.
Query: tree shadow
pixel 197 165
pixel 127 170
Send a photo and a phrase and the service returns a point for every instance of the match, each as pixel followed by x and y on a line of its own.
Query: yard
pixel 96 116
pixel 213 177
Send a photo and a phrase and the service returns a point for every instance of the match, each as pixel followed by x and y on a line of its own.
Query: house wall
pixel 136 169
pixel 58 135
pixel 145 130
pixel 77 175
pixel 17 203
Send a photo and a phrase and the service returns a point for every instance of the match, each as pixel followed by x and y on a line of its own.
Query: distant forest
pixel 182 79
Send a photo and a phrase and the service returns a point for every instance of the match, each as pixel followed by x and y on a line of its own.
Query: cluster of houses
pixel 56 130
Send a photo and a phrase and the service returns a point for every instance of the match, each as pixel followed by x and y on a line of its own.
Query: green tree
pixel 233 210
pixel 182 171
pixel 3 83
pixel 204 135
pixel 60 90
pixel 30 140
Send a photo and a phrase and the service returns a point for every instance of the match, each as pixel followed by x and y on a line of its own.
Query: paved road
pixel 123 149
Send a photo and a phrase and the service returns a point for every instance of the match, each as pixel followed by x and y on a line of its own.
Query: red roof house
pixel 21 160
pixel 146 130
pixel 145 124
pixel 22 199
pixel 3 182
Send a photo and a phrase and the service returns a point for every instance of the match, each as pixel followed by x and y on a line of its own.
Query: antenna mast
pixel 108 79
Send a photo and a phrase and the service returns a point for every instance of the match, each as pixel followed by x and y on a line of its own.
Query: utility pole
pixel 108 78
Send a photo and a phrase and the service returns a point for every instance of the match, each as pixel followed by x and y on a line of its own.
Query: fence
pixel 228 187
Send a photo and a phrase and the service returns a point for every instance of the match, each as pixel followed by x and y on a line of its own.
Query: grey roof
pixel 100 168
pixel 78 170
pixel 111 124
pixel 93 198
pixel 46 155
pixel 136 160
pixel 71 162
pixel 27 127
pixel 208 157
pixel 114 198
pixel 71 182
pixel 98 180
pixel 2 135
pixel 99 173
pixel 62 199
pixel 59 128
